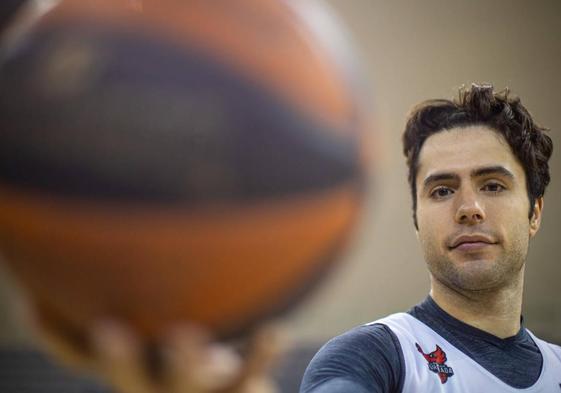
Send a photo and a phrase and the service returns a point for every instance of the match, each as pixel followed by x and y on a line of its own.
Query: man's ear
pixel 536 219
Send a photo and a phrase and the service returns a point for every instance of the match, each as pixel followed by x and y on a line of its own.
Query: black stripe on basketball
pixel 91 112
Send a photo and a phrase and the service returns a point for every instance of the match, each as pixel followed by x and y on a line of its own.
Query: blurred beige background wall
pixel 415 50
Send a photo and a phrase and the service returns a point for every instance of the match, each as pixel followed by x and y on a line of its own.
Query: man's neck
pixel 495 311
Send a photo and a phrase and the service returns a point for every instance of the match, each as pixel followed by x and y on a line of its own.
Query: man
pixel 478 169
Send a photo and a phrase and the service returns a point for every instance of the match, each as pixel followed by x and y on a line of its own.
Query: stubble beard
pixel 477 273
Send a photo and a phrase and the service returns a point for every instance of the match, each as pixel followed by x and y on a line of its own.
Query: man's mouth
pixel 471 242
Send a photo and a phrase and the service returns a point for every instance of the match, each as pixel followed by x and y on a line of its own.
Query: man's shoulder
pixel 376 331
pixel 365 339
pixel 555 348
pixel 368 355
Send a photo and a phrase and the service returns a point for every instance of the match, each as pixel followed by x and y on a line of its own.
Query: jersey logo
pixel 437 363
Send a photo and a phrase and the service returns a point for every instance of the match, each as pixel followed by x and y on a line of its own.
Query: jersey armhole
pixel 399 374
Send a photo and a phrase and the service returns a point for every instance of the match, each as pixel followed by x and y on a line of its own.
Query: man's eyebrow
pixel 478 172
pixel 439 177
pixel 492 170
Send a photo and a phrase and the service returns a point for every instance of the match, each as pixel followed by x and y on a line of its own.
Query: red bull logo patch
pixel 437 363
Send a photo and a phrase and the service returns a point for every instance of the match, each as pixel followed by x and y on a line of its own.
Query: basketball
pixel 165 161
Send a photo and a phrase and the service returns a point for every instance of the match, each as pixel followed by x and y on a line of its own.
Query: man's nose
pixel 470 211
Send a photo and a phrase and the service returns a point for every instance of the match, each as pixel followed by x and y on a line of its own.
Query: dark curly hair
pixel 481 105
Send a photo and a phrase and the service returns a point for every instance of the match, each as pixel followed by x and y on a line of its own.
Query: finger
pixel 118 357
pixel 58 345
pixel 265 347
pixel 262 384
pixel 193 364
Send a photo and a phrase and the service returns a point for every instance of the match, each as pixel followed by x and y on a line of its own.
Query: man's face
pixel 472 209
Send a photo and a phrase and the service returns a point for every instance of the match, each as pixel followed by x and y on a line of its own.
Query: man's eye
pixel 441 192
pixel 493 187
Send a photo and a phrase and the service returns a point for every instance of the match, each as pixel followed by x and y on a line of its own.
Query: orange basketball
pixel 167 160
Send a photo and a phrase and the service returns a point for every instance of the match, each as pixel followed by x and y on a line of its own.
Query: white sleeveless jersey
pixel 432 364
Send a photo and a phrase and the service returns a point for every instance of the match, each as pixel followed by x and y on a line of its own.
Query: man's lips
pixel 471 242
